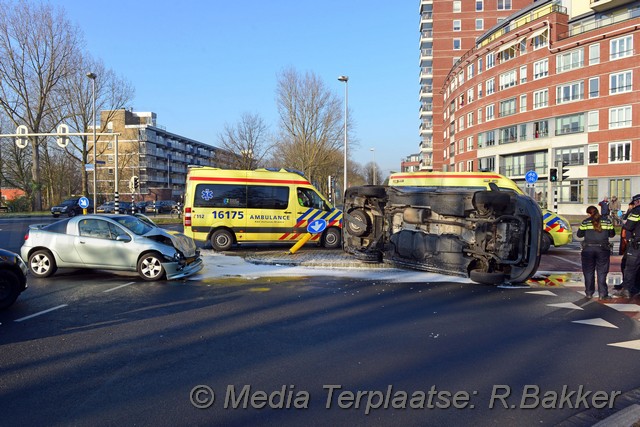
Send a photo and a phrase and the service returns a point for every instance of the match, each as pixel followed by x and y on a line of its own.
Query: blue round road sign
pixel 83 202
pixel 317 226
pixel 531 177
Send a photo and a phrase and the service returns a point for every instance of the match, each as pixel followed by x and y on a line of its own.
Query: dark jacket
pixel 593 237
pixel 632 225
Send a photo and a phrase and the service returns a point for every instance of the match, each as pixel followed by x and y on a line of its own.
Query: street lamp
pixel 373 151
pixel 92 76
pixel 345 79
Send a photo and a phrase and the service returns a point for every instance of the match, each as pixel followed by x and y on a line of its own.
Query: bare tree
pixel 311 126
pixel 372 173
pixel 37 46
pixel 112 93
pixel 248 140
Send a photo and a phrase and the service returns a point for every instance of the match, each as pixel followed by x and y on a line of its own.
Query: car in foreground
pixel 492 237
pixel 110 242
pixel 13 277
pixel 70 207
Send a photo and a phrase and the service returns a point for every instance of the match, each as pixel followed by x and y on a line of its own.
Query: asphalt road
pixel 107 349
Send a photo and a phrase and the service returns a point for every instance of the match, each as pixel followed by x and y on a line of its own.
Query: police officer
pixel 596 251
pixel 632 255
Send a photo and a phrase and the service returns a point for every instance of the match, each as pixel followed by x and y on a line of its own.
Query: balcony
pixel 600 5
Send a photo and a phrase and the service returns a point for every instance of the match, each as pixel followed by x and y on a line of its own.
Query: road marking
pixel 118 287
pixel 596 322
pixel 633 345
pixel 568 305
pixel 39 313
pixel 549 293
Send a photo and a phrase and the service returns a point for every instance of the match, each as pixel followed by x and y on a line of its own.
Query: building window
pixel 523 132
pixel 491 88
pixel 508 134
pixel 540 69
pixel 540 99
pixel 620 82
pixel 479 115
pixel 110 158
pixel 480 65
pixel 489 113
pixel 470 143
pixel 572 156
pixel 594 54
pixel 541 129
pixel 487 164
pixel 594 87
pixel 570 124
pixel 619 152
pixel 470 95
pixel 620 117
pixel 480 91
pixel 541 40
pixel 507 107
pixel 491 60
pixel 479 24
pixel 460 123
pixel 620 187
pixel 479 5
pixel 470 119
pixel 570 92
pixel 569 60
pixel 593 119
pixel 593 154
pixel 621 47
pixel 508 79
pixel 523 74
pixel 523 103
pixel 457 26
pixel 457 6
pixel 486 139
pixel 593 196
pixel 504 4
pixel 457 44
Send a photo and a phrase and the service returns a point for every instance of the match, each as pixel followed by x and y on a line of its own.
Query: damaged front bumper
pixel 179 270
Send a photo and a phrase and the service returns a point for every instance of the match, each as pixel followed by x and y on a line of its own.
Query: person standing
pixel 614 207
pixel 596 252
pixel 604 207
pixel 632 254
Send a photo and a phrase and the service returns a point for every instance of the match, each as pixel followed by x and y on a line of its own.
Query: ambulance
pixel 227 207
pixel 556 229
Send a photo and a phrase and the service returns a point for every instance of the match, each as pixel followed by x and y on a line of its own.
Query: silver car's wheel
pixel 150 267
pixel 42 263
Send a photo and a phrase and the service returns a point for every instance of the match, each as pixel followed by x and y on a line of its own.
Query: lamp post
pixel 345 79
pixel 373 151
pixel 92 76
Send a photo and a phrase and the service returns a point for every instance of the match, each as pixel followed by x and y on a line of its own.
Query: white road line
pixel 566 260
pixel 39 313
pixel 118 287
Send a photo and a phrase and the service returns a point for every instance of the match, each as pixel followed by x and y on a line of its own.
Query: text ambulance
pixel 556 229
pixel 232 206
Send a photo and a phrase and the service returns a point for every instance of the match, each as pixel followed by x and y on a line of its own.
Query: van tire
pixel 222 240
pixel 354 228
pixel 486 278
pixel 545 243
pixel 332 238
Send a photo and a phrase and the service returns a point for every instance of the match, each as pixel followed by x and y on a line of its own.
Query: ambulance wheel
pixel 221 240
pixel 332 238
pixel 545 243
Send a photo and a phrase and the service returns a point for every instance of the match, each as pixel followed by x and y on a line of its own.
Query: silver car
pixel 110 242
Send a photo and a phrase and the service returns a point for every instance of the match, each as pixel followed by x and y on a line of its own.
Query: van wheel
pixel 332 238
pixel 358 222
pixel 485 278
pixel 221 240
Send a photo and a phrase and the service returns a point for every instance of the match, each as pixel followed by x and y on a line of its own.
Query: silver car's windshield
pixel 134 224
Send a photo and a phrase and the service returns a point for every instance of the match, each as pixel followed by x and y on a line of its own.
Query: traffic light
pixel 134 184
pixel 553 175
pixel 564 175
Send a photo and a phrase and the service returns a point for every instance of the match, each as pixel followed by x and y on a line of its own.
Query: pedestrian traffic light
pixel 564 174
pixel 553 175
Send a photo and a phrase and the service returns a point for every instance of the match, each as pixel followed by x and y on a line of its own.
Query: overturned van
pixel 491 236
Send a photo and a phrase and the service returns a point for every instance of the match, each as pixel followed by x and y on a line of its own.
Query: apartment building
pixel 447 30
pixel 554 86
pixel 159 158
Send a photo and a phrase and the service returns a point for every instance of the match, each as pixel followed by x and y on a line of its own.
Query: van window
pixel 220 196
pixel 266 197
pixel 310 199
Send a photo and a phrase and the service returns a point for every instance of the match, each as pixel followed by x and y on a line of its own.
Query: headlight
pixel 564 224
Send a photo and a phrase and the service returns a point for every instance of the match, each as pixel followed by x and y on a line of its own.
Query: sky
pixel 201 64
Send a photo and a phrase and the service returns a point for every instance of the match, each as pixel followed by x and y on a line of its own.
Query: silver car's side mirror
pixel 123 238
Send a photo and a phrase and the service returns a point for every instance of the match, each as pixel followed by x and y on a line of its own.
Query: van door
pixel 311 206
pixel 269 216
pixel 218 205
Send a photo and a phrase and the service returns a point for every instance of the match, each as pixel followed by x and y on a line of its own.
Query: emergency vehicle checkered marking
pixel 333 218
pixel 551 221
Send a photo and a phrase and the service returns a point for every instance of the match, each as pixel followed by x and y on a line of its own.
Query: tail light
pixel 187 217
pixel 26 236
